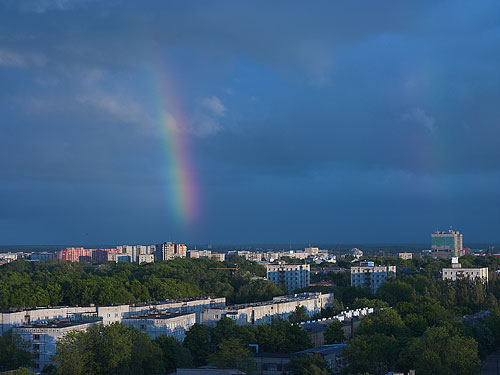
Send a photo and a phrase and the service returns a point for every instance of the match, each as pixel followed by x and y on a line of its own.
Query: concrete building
pixel 75 254
pixel 293 276
pixel 43 337
pixel 447 244
pixel 456 272
pixel 14 318
pixel 107 314
pixel 42 256
pixel 311 250
pixel 163 323
pixel 405 256
pixel 356 253
pixel 250 255
pixel 367 275
pixel 195 254
pixel 145 258
pixel 264 312
pixel 171 250
pixel 278 363
pixel 350 320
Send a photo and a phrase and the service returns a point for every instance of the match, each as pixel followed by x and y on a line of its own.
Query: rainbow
pixel 180 179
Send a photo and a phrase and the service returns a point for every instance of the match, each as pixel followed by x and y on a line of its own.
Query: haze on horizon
pixel 340 122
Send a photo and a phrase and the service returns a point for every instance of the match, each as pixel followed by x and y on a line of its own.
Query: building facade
pixel 405 256
pixel 293 276
pixel 367 275
pixel 264 312
pixel 447 244
pixel 171 250
pixel 456 272
pixel 170 324
pixel 107 314
pixel 42 337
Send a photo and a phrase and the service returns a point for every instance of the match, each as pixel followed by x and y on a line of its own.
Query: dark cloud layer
pixel 346 122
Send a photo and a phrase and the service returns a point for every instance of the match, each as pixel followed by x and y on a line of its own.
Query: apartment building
pixel 456 272
pixel 264 312
pixel 367 275
pixel 293 276
pixel 405 256
pixel 42 337
pixel 195 254
pixel 162 323
pixel 13 318
pixel 107 314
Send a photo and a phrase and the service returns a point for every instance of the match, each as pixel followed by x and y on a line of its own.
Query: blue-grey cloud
pixel 344 112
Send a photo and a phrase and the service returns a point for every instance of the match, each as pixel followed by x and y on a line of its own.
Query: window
pixel 36 337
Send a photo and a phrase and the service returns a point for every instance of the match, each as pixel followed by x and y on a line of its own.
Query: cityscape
pixel 249 188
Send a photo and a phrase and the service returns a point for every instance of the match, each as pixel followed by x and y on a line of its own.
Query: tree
pixel 232 353
pixel 396 291
pixel 374 354
pixel 310 364
pixel 112 350
pixel 23 371
pixel 281 336
pixel 13 352
pixel 334 334
pixel 299 315
pixel 387 322
pixel 174 354
pixel 436 353
pixel 198 342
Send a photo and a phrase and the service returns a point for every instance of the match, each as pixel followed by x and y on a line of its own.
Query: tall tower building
pixel 447 244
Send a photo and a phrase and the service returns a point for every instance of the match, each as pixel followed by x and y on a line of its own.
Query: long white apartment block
pixel 368 275
pixel 10 319
pixel 107 314
pixel 264 312
pixel 160 323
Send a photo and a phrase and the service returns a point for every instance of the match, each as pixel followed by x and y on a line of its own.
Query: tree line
pixel 27 284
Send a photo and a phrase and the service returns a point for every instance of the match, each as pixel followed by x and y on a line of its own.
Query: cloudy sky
pixel 233 122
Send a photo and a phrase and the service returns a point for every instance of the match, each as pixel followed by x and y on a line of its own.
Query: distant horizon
pixel 262 246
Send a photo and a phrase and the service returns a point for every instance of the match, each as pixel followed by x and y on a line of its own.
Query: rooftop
pixel 60 323
pixel 157 315
pixel 275 301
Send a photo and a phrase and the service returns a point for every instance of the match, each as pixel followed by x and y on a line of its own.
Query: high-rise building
pixel 368 275
pixel 447 244
pixel 170 250
pixel 293 276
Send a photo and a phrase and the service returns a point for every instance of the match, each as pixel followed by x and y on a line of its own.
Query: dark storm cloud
pixel 333 108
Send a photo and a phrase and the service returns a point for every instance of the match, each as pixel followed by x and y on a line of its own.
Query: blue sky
pixel 329 122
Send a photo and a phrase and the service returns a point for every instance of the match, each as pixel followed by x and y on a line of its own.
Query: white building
pixel 171 250
pixel 195 254
pixel 250 255
pixel 10 319
pixel 367 275
pixel 43 337
pixel 107 314
pixel 405 256
pixel 456 272
pixel 264 312
pixel 170 324
pixel 293 276
pixel 356 253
